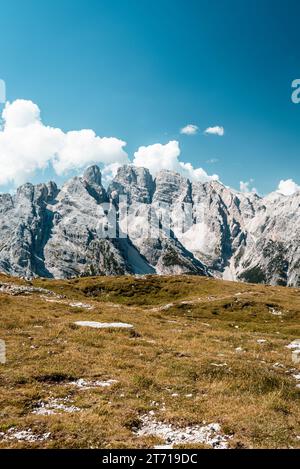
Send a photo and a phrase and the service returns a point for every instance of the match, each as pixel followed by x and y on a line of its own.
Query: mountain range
pixel 169 226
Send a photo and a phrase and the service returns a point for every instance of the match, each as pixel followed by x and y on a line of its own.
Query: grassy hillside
pixel 200 351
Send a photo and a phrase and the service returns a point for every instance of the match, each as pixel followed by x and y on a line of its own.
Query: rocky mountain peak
pixel 135 182
pixel 92 181
pixel 26 191
pixel 172 187
pixel 46 231
pixel 92 175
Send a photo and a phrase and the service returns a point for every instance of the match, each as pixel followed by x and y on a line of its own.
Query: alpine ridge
pixel 172 226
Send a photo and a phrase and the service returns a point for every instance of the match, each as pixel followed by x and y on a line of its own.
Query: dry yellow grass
pixel 172 350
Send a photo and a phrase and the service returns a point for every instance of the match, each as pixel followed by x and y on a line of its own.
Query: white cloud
pixel 245 187
pixel 27 145
pixel 84 147
pixel 157 157
pixel 21 113
pixel 212 161
pixel 217 130
pixel 288 187
pixel 189 129
pixel 109 172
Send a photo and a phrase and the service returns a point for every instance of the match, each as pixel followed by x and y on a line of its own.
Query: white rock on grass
pixel 297 378
pixel 295 345
pixel 104 325
pixel 23 435
pixel 278 365
pixel 73 304
pixel 296 356
pixel 14 290
pixel 84 384
pixel 275 312
pixel 78 304
pixel 163 307
pixel 55 406
pixel 208 434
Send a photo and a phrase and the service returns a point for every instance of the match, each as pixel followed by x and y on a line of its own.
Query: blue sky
pixel 140 70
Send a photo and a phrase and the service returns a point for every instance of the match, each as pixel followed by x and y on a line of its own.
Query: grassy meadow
pixel 200 351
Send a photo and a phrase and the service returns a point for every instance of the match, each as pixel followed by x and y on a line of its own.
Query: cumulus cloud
pixel 217 130
pixel 245 187
pixel 27 145
pixel 288 187
pixel 189 129
pixel 158 156
pixel 109 172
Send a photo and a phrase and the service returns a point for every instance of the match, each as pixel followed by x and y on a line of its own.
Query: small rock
pixel 295 345
pixel 23 435
pixel 104 325
pixel 296 356
pixel 78 304
pixel 54 406
pixel 84 384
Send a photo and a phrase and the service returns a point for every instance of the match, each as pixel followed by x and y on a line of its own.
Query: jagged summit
pixel 61 233
pixel 136 183
pixel 92 175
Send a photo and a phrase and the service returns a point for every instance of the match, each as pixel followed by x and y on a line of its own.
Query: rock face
pixel 170 226
pixel 59 233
